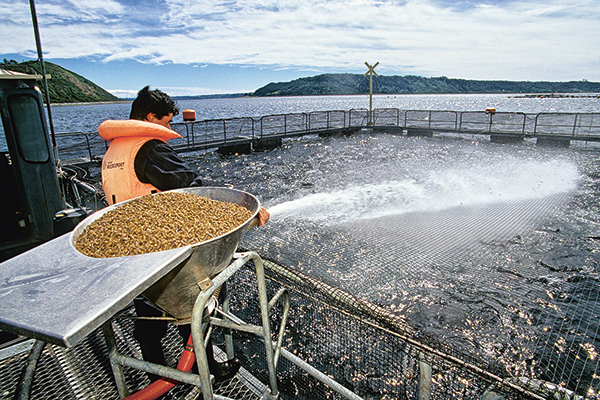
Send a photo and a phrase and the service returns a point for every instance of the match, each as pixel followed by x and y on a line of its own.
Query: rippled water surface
pixel 481 244
pixel 492 248
pixel 86 118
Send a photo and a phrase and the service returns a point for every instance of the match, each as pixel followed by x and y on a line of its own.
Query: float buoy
pixel 189 115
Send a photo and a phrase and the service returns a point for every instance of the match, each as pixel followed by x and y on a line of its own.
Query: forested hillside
pixel 341 84
pixel 64 86
pixel 68 87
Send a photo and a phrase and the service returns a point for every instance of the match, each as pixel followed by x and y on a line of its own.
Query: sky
pixel 237 46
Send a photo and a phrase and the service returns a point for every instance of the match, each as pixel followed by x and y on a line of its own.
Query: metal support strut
pixel 203 378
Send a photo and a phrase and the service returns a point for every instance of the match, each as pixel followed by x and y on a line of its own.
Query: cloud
pixel 522 40
pixel 123 94
pixel 63 11
pixel 173 90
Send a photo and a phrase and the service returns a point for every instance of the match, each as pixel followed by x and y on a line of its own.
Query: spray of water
pixel 435 189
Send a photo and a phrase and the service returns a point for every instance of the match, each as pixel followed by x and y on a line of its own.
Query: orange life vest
pixel 119 180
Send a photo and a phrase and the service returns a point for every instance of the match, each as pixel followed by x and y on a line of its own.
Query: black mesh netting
pixel 475 261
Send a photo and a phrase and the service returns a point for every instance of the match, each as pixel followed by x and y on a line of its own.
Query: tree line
pixel 64 86
pixel 350 84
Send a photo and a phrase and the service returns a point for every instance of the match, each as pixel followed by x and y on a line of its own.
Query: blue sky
pixel 229 46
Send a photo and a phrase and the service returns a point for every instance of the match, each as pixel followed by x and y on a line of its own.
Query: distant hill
pixel 344 84
pixel 64 86
pixel 68 87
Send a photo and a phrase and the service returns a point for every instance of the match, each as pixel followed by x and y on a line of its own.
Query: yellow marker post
pixel 371 72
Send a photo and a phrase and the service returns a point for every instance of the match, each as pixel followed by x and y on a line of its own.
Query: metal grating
pixel 83 371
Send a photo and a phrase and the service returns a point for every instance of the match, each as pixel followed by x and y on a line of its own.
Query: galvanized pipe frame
pixel 230 321
pixel 203 378
pixel 572 126
pixel 319 120
pixel 315 373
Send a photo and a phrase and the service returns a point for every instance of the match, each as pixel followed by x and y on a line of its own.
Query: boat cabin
pixel 30 194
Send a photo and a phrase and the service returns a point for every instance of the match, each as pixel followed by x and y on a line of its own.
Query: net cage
pixel 365 348
pixel 378 355
pixel 486 300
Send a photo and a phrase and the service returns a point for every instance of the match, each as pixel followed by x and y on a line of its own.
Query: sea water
pixel 486 246
pixel 87 117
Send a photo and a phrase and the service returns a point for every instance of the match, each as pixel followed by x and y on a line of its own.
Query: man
pixel 138 162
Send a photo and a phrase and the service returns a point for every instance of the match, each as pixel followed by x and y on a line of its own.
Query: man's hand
pixel 263 216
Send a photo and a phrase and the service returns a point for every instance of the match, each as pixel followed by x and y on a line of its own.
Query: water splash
pixel 435 189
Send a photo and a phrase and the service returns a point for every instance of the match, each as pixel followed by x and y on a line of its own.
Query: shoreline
pixel 557 96
pixel 509 95
pixel 90 103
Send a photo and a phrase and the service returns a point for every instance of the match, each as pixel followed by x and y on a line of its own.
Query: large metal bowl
pixel 176 292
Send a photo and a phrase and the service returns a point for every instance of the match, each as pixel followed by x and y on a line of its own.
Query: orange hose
pixel 163 385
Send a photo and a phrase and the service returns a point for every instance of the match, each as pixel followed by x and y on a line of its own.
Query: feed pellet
pixel 159 222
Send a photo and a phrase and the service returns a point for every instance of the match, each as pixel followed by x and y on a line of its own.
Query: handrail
pixel 212 133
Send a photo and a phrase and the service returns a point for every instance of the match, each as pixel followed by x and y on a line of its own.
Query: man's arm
pixel 158 164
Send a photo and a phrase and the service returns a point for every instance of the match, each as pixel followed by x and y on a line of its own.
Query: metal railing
pixel 207 134
pixel 79 145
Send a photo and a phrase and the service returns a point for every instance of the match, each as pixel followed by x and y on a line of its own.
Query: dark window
pixel 29 129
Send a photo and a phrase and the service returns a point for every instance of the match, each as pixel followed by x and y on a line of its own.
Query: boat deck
pixel 83 371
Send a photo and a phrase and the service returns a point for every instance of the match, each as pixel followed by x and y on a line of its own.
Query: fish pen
pixel 481 255
pixel 244 134
pixel 371 353
pixel 418 268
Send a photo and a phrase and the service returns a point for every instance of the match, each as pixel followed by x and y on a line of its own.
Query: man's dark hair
pixel 152 101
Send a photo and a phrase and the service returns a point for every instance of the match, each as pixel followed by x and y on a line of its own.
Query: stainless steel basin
pixel 176 292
